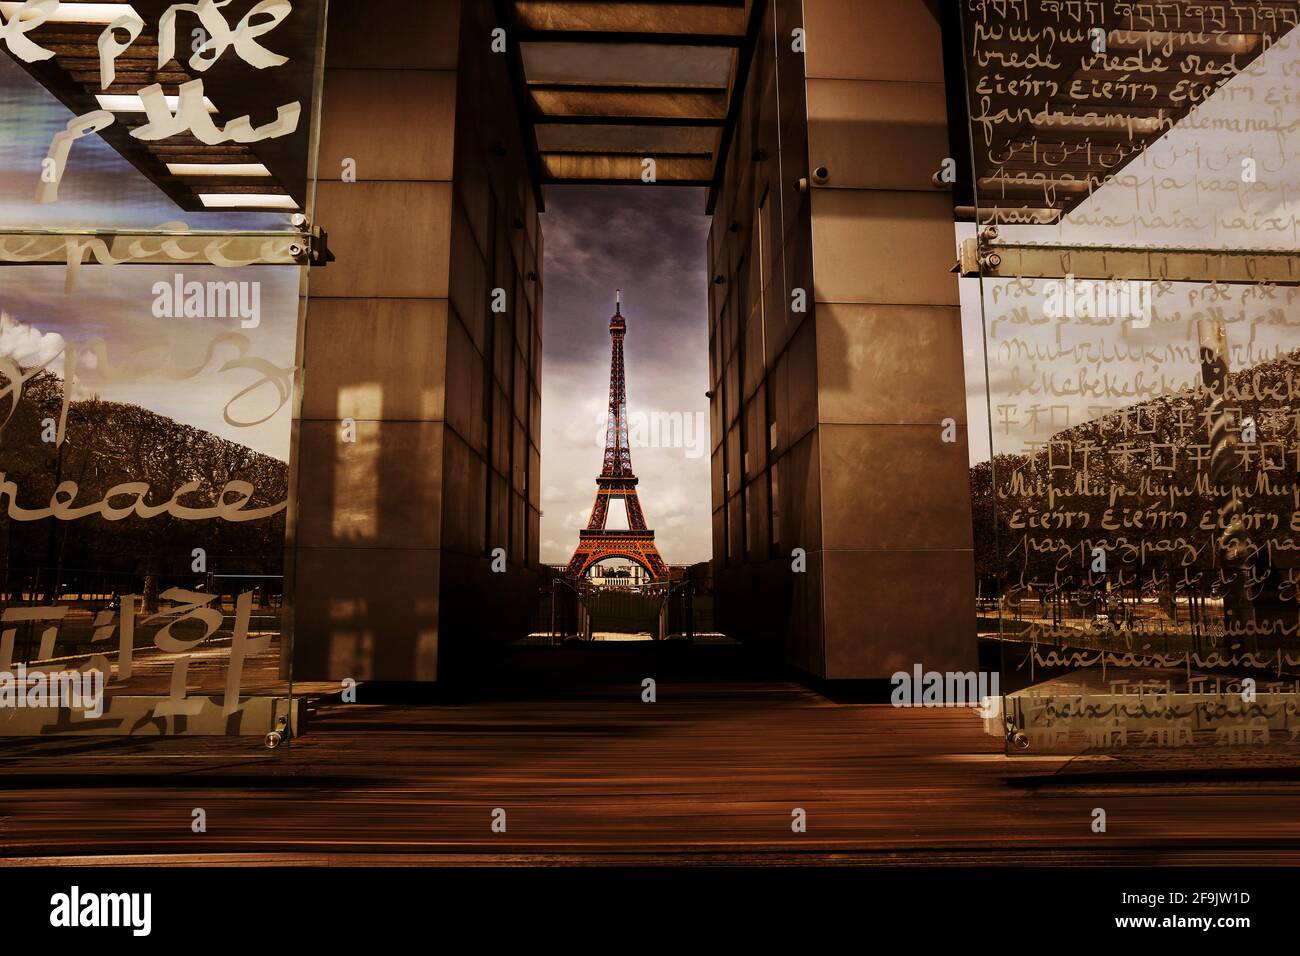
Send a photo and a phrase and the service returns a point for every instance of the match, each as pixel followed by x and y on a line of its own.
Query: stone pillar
pixel 369 533
pixel 897 558
pixel 842 534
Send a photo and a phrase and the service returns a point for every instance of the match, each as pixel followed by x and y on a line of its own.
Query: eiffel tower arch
pixel 617 480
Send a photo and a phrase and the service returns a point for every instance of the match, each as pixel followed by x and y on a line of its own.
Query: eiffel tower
pixel 616 480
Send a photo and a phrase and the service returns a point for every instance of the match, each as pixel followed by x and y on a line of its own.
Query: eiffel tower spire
pixel 618 454
pixel 617 480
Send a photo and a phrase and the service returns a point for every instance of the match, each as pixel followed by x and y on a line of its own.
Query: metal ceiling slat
pixel 627 138
pixel 627 64
pixel 610 84
pixel 616 104
pixel 625 168
pixel 631 18
pixel 647 121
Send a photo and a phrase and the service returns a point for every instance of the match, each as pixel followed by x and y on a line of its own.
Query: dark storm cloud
pixel 647 240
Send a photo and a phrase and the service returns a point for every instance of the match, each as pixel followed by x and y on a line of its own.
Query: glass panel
pixel 1135 496
pixel 218 137
pixel 146 381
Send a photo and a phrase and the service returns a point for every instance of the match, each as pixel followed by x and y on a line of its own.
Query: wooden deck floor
pixel 586 771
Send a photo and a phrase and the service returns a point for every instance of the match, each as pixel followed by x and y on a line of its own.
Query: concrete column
pixel 391 539
pixel 896 549
pixel 766 478
pixel 842 536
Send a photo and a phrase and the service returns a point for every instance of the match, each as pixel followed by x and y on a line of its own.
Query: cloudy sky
pixel 650 242
pixel 149 360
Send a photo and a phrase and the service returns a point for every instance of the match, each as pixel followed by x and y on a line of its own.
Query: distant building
pixel 618 576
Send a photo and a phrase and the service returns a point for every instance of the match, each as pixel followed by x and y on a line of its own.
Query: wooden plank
pixel 586 771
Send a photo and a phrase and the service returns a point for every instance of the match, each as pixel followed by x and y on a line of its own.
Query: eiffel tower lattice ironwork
pixel 616 480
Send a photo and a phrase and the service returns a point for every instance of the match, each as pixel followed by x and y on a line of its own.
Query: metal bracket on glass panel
pixel 986 256
pixel 153 247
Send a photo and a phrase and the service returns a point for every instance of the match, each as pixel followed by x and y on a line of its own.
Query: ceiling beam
pixel 602 88
pixel 523 104
pixel 630 17
pixel 555 119
pixel 630 103
pixel 625 182
pixel 595 37
pixel 744 60
pixel 625 168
